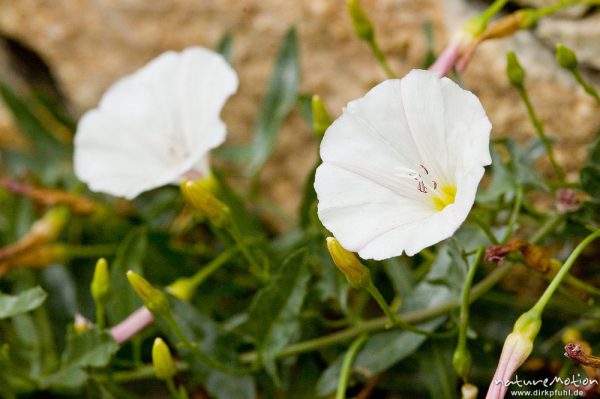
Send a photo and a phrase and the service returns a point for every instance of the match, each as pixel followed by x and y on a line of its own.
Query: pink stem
pixel 133 324
pixel 446 60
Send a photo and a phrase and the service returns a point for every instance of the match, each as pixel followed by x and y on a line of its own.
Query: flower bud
pixel 462 361
pixel 566 57
pixel 514 70
pixel 100 286
pixel 517 348
pixel 164 367
pixel 81 324
pixel 356 273
pixel 362 25
pixel 154 299
pixel 200 195
pixel 321 118
pixel 182 288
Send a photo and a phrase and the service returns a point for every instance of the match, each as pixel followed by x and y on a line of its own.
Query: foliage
pixel 273 317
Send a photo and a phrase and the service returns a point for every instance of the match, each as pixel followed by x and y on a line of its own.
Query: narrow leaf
pixel 42 139
pixel 12 305
pixel 129 256
pixel 273 316
pixel 92 348
pixel 279 100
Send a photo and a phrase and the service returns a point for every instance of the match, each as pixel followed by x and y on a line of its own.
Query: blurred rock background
pixel 88 44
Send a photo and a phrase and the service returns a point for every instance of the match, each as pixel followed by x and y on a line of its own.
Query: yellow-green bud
pixel 100 285
pixel 528 17
pixel 164 367
pixel 356 273
pixel 514 70
pixel 321 118
pixel 361 22
pixel 566 57
pixel 461 361
pixel 182 288
pixel 81 324
pixel 528 325
pixel 154 299
pixel 200 195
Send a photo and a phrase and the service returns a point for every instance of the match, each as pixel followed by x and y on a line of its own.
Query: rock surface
pixel 88 44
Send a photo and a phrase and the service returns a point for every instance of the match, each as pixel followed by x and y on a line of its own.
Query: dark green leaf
pixel 225 47
pixel 92 348
pixel 590 180
pixel 279 100
pixel 309 199
pixel 12 305
pixel 225 386
pixel 43 141
pixel 129 256
pixel 435 363
pixel 273 316
pixel 305 107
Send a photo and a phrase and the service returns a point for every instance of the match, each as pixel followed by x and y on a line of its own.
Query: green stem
pixel 485 228
pixel 583 286
pixel 559 5
pixel 100 315
pixel 172 389
pixel 347 366
pixel 541 303
pixel 211 267
pixel 417 316
pixel 393 318
pixel 514 215
pixel 546 228
pixel 261 272
pixel 476 25
pixel 589 89
pixel 380 57
pixel 464 304
pixel 183 339
pixel 539 128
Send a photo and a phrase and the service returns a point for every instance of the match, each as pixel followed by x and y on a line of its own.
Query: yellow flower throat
pixel 445 196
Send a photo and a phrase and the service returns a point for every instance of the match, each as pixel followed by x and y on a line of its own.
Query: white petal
pixel 153 126
pixel 416 236
pixel 424 111
pixel 467 128
pixel 359 210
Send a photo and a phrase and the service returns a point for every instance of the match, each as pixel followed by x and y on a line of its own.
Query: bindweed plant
pixel 137 262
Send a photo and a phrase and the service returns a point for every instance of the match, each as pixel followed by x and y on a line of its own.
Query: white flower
pixel 155 126
pixel 401 165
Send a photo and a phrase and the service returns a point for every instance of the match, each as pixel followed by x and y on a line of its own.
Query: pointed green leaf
pixel 12 305
pixel 92 348
pixel 42 139
pixel 129 256
pixel 273 316
pixel 279 100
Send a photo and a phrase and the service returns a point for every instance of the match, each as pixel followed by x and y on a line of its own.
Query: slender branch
pixel 541 303
pixel 539 128
pixel 347 366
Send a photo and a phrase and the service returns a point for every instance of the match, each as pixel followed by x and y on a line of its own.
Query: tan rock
pixel 90 43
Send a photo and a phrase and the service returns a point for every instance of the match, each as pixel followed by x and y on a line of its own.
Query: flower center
pixel 445 196
pixel 442 195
